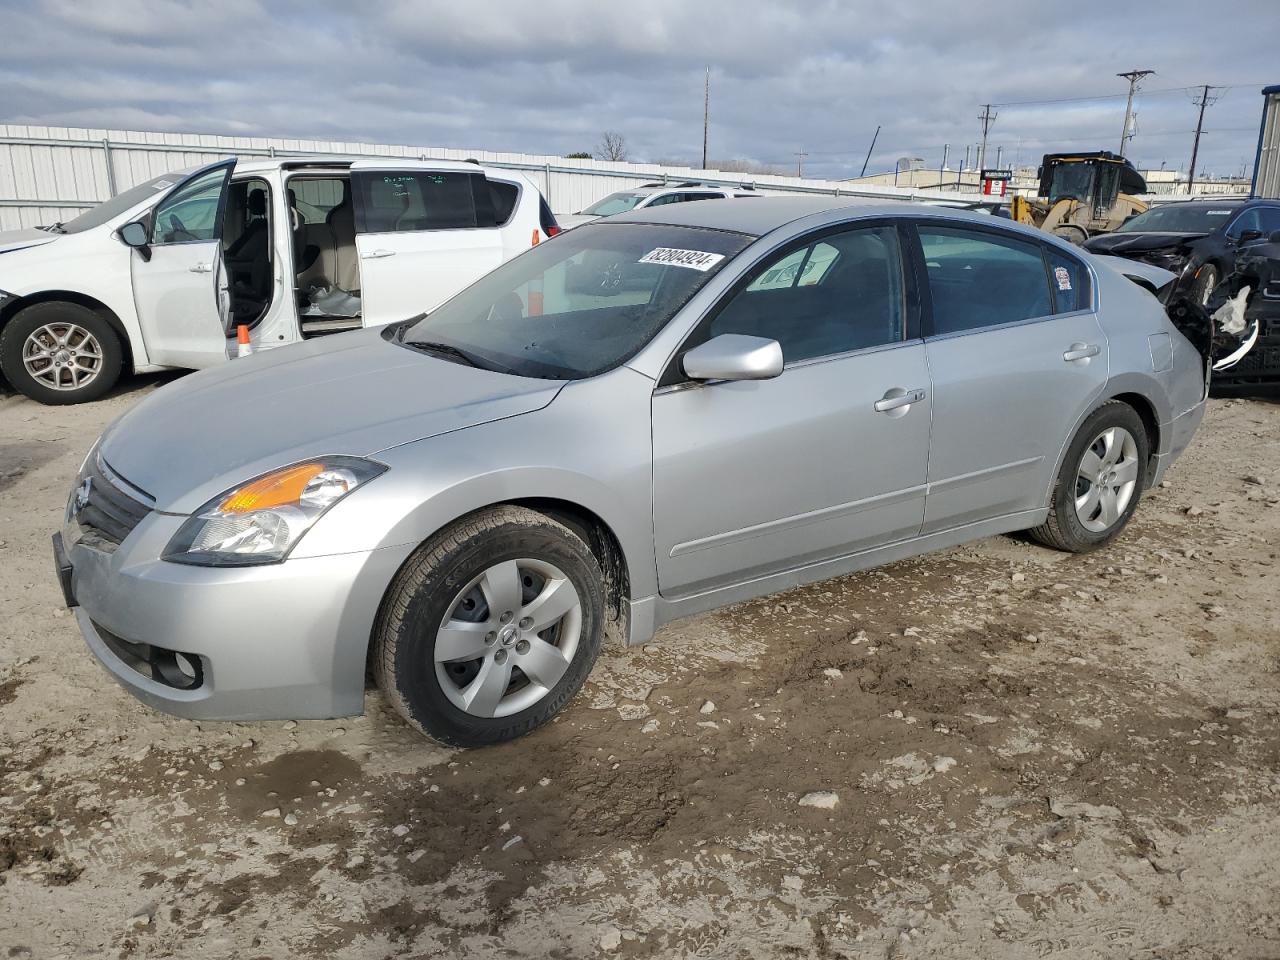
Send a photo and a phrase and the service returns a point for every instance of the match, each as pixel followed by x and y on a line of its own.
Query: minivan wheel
pixel 490 628
pixel 1100 481
pixel 60 353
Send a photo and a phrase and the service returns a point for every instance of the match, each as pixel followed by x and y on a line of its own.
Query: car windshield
pixel 614 203
pixel 578 305
pixel 121 202
pixel 1178 218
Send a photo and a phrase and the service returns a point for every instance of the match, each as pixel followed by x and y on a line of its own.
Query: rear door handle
pixel 1081 351
pixel 378 254
pixel 897 398
pixel 201 268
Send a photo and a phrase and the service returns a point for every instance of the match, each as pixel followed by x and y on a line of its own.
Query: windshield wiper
pixel 450 351
pixel 55 227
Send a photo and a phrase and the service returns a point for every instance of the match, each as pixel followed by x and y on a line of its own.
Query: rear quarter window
pixel 503 195
pixel 1069 281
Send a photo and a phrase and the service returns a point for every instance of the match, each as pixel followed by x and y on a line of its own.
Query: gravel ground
pixel 997 751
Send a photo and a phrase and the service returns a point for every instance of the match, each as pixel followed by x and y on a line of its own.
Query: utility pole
pixel 987 118
pixel 942 170
pixel 1134 77
pixel 800 155
pixel 874 138
pixel 999 157
pixel 706 115
pixel 1195 146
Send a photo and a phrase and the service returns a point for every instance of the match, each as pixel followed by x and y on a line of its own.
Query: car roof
pixel 766 214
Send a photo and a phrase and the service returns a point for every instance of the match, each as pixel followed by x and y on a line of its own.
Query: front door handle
pixel 378 254
pixel 1081 351
pixel 897 399
pixel 201 268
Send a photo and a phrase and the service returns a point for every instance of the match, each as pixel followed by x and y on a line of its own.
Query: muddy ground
pixel 1031 754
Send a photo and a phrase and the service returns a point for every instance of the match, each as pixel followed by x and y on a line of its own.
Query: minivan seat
pixel 341 265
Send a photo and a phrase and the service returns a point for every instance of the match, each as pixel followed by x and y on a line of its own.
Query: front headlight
pixel 262 520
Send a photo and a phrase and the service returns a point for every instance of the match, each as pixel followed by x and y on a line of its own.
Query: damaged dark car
pixel 1237 326
pixel 1199 240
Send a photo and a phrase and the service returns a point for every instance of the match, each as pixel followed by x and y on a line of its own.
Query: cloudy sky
pixel 548 76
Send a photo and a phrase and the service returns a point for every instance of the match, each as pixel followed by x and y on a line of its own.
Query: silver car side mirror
pixel 734 356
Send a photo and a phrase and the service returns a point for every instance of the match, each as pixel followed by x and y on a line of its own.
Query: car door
pixel 422 233
pixel 756 477
pixel 180 286
pixel 1017 358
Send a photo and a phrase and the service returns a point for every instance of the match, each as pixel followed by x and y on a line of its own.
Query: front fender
pixel 589 448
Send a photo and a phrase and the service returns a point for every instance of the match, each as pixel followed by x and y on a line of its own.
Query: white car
pixel 653 195
pixel 168 273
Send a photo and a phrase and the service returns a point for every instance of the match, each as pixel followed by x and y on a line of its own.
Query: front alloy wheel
pixel 62 356
pixel 491 627
pixel 508 638
pixel 60 353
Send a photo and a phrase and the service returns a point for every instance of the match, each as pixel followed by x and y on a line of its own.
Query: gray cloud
pixel 549 77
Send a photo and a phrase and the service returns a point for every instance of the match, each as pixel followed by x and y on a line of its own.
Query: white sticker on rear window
pixel 693 259
pixel 1063 276
pixel 1219 213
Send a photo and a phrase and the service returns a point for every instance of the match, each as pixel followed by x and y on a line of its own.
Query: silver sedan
pixel 642 419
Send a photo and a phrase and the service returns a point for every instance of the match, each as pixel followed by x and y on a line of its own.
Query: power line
pixel 1116 96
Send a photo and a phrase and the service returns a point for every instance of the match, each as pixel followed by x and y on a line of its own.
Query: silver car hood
pixel 27 237
pixel 353 394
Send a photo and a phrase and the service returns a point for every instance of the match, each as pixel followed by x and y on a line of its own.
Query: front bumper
pixel 285 640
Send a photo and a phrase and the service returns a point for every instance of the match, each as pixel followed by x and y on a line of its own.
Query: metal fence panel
pixel 53 173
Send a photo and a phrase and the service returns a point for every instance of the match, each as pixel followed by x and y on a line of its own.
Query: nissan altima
pixel 641 419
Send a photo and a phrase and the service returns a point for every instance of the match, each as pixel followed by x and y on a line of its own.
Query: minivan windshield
pixel 579 304
pixel 1181 218
pixel 614 203
pixel 121 202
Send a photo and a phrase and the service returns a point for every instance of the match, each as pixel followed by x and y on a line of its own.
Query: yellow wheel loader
pixel 1082 194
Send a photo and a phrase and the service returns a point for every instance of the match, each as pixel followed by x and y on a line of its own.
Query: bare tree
pixel 612 146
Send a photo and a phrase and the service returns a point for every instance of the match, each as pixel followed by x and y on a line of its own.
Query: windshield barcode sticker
pixel 693 259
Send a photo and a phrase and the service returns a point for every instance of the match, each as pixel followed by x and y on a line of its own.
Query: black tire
pixel 1202 287
pixel 14 336
pixel 1063 529
pixel 419 598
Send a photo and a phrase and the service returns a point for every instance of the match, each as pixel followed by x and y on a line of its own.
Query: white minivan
pixel 167 273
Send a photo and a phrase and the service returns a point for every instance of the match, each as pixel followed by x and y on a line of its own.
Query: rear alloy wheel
pixel 490 628
pixel 1106 479
pixel 1100 481
pixel 60 353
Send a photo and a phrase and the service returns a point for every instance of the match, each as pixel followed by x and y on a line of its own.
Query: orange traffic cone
pixel 243 346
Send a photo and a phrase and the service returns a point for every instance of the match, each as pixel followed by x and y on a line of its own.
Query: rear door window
pixel 981 279
pixel 393 201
